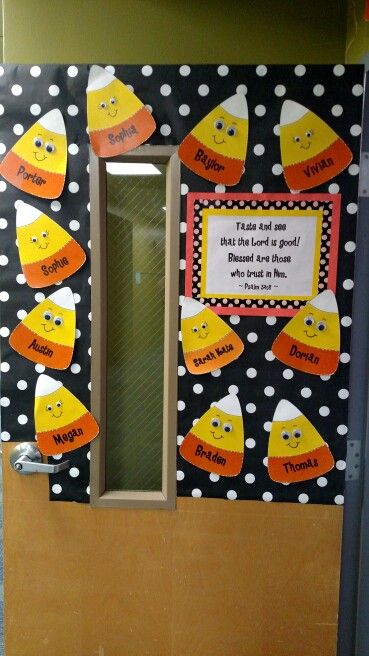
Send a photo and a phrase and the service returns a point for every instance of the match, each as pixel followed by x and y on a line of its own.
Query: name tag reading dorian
pixel 261 253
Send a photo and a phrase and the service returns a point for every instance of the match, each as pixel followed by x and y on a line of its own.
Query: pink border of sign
pixel 192 197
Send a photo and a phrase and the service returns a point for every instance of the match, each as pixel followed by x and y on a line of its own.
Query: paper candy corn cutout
pixel 296 451
pixel 38 161
pixel 208 342
pixel 216 147
pixel 47 252
pixel 310 341
pixel 311 151
pixel 117 120
pixel 46 335
pixel 62 422
pixel 216 442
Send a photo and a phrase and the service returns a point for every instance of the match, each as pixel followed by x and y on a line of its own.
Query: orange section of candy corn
pixel 125 136
pixel 57 267
pixel 205 162
pixel 31 179
pixel 219 354
pixel 311 360
pixel 205 456
pixel 301 468
pixel 317 170
pixel 69 437
pixel 37 349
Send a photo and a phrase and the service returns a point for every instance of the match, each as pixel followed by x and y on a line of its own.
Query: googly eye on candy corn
pixel 47 334
pixel 216 442
pixel 37 162
pixel 62 422
pixel 312 153
pixel 48 254
pixel 215 149
pixel 117 119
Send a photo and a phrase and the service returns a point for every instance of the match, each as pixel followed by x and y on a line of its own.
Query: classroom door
pixel 211 578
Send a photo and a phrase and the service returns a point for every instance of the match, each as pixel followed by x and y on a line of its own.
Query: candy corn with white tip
pixel 62 422
pixel 216 442
pixel 208 342
pixel 38 160
pixel 48 254
pixel 312 153
pixel 216 147
pixel 296 451
pixel 117 120
pixel 47 334
pixel 310 341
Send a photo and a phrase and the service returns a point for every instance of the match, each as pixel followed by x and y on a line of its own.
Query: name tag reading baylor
pixel 117 120
pixel 296 451
pixel 62 422
pixel 47 334
pixel 208 342
pixel 47 252
pixel 216 147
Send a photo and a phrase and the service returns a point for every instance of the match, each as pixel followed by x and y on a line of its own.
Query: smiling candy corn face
pixel 310 341
pixel 62 422
pixel 296 451
pixel 216 442
pixel 311 151
pixel 37 162
pixel 117 120
pixel 216 147
pixel 47 252
pixel 208 342
pixel 47 334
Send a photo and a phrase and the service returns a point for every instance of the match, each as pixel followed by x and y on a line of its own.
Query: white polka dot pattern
pixel 179 96
pixel 262 380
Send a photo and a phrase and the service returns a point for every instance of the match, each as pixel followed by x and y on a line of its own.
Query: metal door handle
pixel 25 458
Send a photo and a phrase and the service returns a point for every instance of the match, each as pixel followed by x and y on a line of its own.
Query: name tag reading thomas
pixel 296 451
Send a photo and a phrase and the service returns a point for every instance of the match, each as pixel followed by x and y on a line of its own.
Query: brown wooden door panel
pixel 213 578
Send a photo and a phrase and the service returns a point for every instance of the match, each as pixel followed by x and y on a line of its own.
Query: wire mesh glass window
pixel 135 330
pixel 135 216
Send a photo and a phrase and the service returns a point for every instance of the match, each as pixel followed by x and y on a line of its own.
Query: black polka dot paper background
pixel 179 96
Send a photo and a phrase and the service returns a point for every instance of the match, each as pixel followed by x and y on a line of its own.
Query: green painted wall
pixel 357 38
pixel 173 31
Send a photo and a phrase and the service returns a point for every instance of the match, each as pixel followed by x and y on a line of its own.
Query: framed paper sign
pixel 261 254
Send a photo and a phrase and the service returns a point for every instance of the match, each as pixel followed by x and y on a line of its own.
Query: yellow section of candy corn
pixel 45 143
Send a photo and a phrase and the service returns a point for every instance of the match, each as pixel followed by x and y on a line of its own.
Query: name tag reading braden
pixel 216 442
